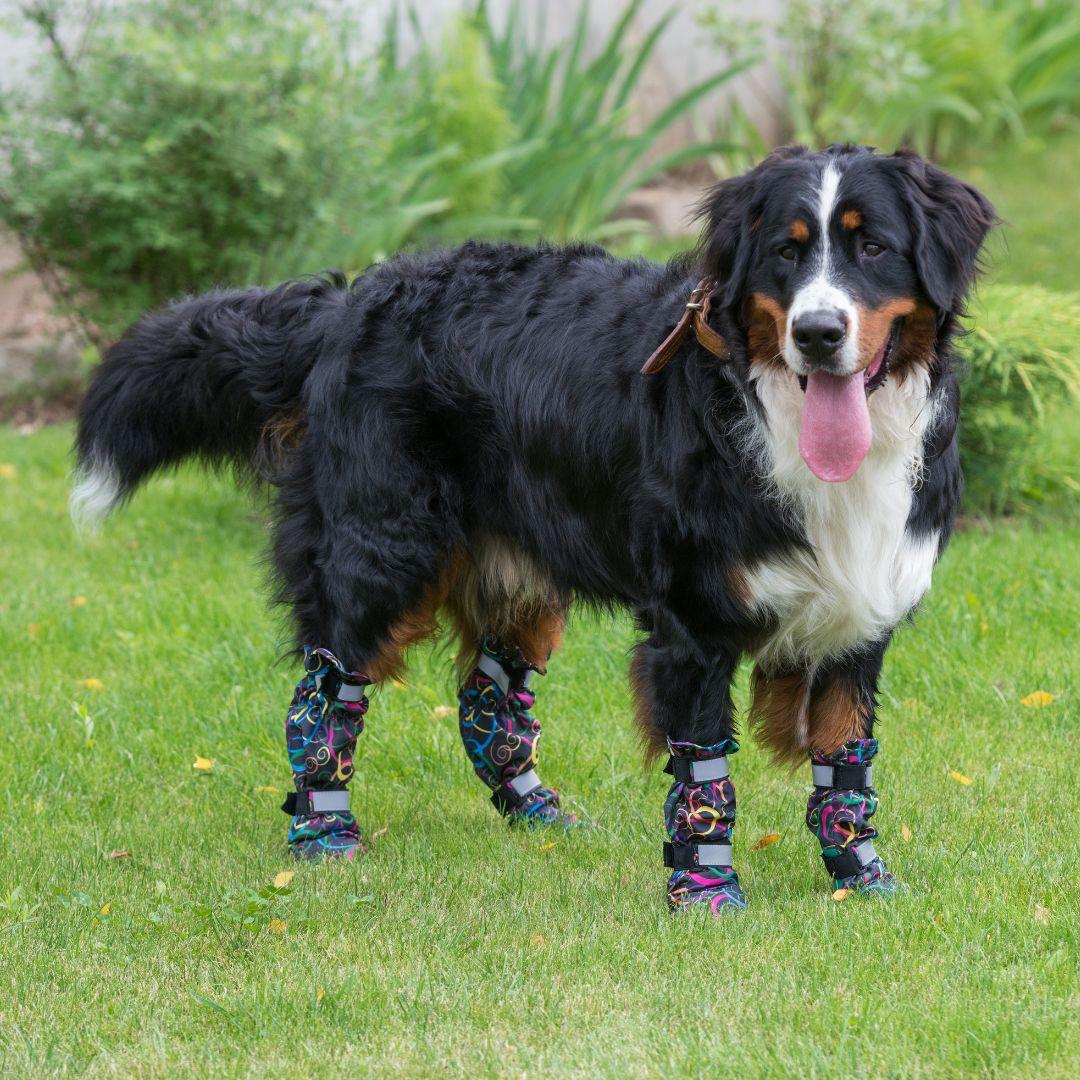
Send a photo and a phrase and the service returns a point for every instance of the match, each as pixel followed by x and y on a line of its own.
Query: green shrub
pixel 192 143
pixel 942 76
pixel 581 158
pixel 1020 433
pixel 171 153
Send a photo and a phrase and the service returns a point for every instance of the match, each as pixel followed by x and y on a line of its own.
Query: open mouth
pixel 835 434
pixel 877 371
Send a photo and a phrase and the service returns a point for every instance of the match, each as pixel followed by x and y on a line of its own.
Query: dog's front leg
pixel 684 706
pixel 842 710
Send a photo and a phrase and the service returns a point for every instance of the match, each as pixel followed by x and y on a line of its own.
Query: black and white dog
pixel 470 432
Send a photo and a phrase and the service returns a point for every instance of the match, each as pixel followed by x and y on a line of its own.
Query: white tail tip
pixel 96 492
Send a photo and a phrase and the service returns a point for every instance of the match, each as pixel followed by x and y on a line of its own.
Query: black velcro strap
pixel 850 777
pixel 289 805
pixel 505 799
pixel 844 865
pixel 679 858
pixel 330 684
pixel 697 855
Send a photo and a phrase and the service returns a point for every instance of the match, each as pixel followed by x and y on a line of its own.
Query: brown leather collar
pixel 696 312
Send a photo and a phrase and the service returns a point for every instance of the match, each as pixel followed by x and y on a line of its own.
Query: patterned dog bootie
pixel 500 735
pixel 838 814
pixel 321 727
pixel 699 815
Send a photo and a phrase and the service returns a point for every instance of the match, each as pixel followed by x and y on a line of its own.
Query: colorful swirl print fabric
pixel 320 734
pixel 500 735
pixel 703 813
pixel 840 819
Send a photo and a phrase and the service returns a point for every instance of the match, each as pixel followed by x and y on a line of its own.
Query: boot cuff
pixel 853 752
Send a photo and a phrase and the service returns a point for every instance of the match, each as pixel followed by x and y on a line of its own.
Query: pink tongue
pixel 835 434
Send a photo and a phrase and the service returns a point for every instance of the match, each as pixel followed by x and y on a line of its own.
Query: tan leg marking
pixel 652 739
pixel 779 713
pixel 503 592
pixel 836 715
pixel 419 624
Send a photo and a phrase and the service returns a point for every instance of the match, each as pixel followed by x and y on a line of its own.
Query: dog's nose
pixel 819 334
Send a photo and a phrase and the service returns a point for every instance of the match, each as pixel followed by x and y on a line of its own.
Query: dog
pixel 752 449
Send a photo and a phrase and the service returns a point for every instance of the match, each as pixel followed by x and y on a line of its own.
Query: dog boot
pixel 321 727
pixel 500 736
pixel 699 816
pixel 838 814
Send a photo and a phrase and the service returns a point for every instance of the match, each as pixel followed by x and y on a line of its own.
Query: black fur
pixel 496 389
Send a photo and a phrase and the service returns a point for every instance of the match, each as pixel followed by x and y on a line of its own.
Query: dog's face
pixel 842 266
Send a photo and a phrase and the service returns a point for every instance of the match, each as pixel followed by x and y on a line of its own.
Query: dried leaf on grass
pixel 1037 699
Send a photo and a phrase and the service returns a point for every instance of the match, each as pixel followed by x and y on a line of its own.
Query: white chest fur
pixel 864 572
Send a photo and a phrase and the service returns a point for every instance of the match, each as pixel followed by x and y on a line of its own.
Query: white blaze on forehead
pixel 820 294
pixel 830 185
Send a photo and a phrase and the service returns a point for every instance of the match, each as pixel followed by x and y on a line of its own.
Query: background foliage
pixel 948 77
pixel 1020 441
pixel 190 143
pixel 182 144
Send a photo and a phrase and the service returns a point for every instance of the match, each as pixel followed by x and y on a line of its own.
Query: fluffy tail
pixel 204 378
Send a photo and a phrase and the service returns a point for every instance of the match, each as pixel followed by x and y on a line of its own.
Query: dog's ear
pixel 950 221
pixel 730 214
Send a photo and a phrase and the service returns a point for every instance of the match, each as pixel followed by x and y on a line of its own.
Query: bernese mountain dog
pixel 752 449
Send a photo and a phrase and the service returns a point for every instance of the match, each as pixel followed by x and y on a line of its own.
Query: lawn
pixel 139 929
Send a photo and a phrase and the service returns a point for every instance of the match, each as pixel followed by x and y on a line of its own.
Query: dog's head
pixel 845 267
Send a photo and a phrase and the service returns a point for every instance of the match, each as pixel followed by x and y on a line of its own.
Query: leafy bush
pixel 1020 434
pixel 192 143
pixel 173 150
pixel 582 159
pixel 942 76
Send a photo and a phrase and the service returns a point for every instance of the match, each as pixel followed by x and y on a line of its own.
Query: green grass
pixel 456 945
pixel 1033 189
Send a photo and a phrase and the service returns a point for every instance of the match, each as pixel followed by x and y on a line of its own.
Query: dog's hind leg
pixel 684 708
pixel 509 623
pixel 842 705
pixel 364 565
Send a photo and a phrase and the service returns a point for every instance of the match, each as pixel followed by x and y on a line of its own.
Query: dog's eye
pixel 872 250
pixel 787 252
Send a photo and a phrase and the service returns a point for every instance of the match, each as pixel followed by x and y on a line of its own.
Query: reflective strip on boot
pixel 499 675
pixel 690 856
pixel 690 771
pixel 306 803
pixel 515 791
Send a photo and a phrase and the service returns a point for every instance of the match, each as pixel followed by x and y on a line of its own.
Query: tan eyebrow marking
pixel 800 231
pixel 851 219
